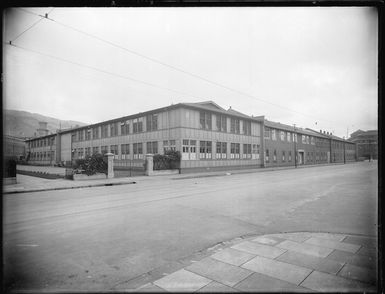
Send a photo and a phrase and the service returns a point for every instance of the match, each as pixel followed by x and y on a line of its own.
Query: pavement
pixel 26 184
pixel 285 262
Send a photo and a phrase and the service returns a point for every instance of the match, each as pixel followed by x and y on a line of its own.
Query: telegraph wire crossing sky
pixel 315 67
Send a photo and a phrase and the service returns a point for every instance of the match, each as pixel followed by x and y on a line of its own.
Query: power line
pixel 175 68
pixel 102 70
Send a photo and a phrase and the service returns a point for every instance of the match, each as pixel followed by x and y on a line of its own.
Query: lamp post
pixel 295 147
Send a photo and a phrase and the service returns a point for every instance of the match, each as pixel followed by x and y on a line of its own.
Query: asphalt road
pixel 98 239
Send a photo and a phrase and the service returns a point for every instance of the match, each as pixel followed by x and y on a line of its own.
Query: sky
pixel 315 67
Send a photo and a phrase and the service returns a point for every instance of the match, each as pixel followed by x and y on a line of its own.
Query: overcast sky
pixel 293 65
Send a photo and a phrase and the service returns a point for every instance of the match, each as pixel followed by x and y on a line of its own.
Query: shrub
pixel 170 160
pixel 97 163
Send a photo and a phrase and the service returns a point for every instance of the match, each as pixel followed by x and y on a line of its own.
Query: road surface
pixel 100 239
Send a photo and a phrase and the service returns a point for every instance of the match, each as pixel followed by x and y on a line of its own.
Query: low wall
pixel 164 172
pixel 82 177
pixel 61 171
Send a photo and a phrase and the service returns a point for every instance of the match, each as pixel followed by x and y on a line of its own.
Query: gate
pixel 128 168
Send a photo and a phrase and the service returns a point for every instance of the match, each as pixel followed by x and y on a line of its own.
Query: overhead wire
pixel 173 67
pixel 102 70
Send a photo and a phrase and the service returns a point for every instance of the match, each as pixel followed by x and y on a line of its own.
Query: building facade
pixel 367 143
pixel 207 136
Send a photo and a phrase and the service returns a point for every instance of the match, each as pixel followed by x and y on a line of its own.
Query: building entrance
pixel 301 157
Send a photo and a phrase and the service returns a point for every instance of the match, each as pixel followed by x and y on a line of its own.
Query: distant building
pixel 14 146
pixel 42 130
pixel 208 137
pixel 367 143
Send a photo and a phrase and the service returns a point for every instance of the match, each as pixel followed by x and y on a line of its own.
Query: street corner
pixel 294 262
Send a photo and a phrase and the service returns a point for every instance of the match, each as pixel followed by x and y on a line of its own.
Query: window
pixel 152 147
pixel 169 145
pixel 80 153
pixel 289 156
pixel 234 126
pixel 256 151
pixel 275 156
pixel 138 125
pixel 267 133
pixel 267 155
pixel 113 129
pixel 246 151
pixel 303 139
pixel 125 151
pixel 95 150
pixel 104 149
pixel 221 123
pixel 114 150
pixel 246 127
pixel 288 136
pixel 235 151
pixel 282 135
pixel 95 133
pixel 221 150
pixel 73 137
pixel 283 156
pixel 205 120
pixel 205 149
pixel 104 131
pixel 88 151
pixel 312 141
pixel 124 128
pixel 81 135
pixel 307 140
pixel 138 150
pixel 273 135
pixel 295 138
pixel 88 134
pixel 152 122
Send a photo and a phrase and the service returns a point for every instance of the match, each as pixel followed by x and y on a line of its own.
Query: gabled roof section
pixel 237 113
pixel 211 105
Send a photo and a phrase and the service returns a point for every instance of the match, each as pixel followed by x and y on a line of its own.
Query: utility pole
pixel 344 153
pixel 295 147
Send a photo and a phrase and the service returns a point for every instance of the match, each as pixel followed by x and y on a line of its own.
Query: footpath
pixel 285 262
pixel 26 184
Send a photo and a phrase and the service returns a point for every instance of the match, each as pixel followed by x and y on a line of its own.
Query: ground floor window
pixel 235 151
pixel 246 151
pixel 80 153
pixel 95 150
pixel 289 156
pixel 138 150
pixel 88 151
pixel 275 156
pixel 283 156
pixel 169 145
pixel 114 150
pixel 189 149
pixel 221 150
pixel 104 149
pixel 125 151
pixel 205 149
pixel 267 155
pixel 256 151
pixel 152 147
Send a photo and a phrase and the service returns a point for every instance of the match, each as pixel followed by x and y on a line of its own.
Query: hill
pixel 24 124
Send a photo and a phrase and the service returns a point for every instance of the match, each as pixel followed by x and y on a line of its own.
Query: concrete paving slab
pixel 259 249
pixel 182 281
pixel 341 256
pixel 369 242
pixel 311 262
pixel 277 269
pixel 368 252
pixel 353 248
pixel 323 282
pixel 363 261
pixel 221 272
pixel 271 240
pixel 329 236
pixel 305 248
pixel 296 237
pixel 262 283
pixel 215 287
pixel 359 273
pixel 150 288
pixel 233 256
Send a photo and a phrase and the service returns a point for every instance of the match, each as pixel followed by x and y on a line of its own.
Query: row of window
pixel 205 121
pixel 42 142
pixel 45 155
pixel 286 156
pixel 112 129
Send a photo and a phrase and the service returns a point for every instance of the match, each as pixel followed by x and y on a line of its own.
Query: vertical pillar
pixel 110 162
pixel 149 164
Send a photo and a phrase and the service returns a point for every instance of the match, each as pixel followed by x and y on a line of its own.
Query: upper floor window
pixel 234 126
pixel 247 127
pixel 104 131
pixel 88 134
pixel 273 134
pixel 221 123
pixel 124 128
pixel 303 139
pixel 282 136
pixel 267 133
pixel 288 136
pixel 312 140
pixel 152 122
pixel 95 133
pixel 307 140
pixel 138 125
pixel 73 137
pixel 205 120
pixel 113 129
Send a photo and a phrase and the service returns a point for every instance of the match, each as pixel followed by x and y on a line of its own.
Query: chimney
pixel 320 131
pixel 42 130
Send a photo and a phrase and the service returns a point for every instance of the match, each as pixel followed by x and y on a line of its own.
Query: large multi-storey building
pixel 367 143
pixel 207 136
